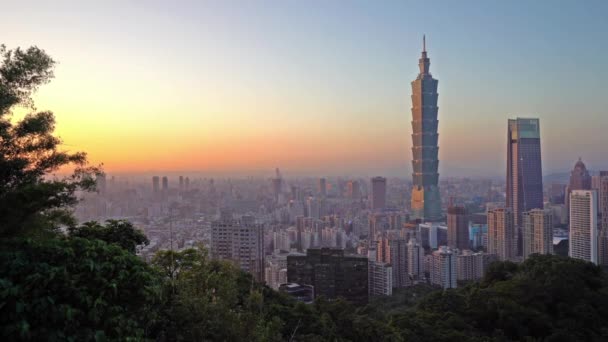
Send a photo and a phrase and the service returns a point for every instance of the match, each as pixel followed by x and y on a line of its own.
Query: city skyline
pixel 189 101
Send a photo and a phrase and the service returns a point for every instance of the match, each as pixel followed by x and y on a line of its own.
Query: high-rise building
pixel 165 184
pixel 458 228
pixel 602 192
pixel 443 269
pixel 240 241
pixel 415 260
pixel 332 273
pixel 583 225
pixel 380 276
pixel 187 183
pixel 353 190
pixel 580 179
pixel 155 184
pixel 524 171
pixel 538 232
pixel 393 251
pixel 100 183
pixel 322 188
pixel 378 193
pixel 181 183
pixel 501 233
pixel 425 203
pixel 473 266
pixel 603 218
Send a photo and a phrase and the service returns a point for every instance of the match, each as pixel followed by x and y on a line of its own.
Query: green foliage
pixel 74 289
pixel 209 300
pixel 119 232
pixel 30 202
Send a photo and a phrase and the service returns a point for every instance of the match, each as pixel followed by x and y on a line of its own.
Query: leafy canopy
pixel 31 201
pixel 119 232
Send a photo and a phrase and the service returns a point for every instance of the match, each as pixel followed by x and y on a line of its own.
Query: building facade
pixel 524 171
pixel 501 234
pixel 331 273
pixel 425 202
pixel 583 225
pixel 458 228
pixel 240 241
pixel 378 193
pixel 443 270
pixel 538 232
pixel 473 266
pixel 380 276
pixel 393 251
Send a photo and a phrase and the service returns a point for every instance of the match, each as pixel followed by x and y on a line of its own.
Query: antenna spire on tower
pixel 423 43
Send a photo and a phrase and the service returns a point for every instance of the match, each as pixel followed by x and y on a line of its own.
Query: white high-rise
pixel 583 225
pixel 443 269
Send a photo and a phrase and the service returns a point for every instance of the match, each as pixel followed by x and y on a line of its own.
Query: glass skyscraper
pixel 524 171
pixel 426 203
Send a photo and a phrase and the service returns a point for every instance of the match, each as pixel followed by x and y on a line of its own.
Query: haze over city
pixel 316 88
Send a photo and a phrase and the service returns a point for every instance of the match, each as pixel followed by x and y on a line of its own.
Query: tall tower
pixel 426 203
pixel 378 193
pixel 524 171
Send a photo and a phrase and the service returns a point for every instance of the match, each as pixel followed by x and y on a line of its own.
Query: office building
pixel 458 228
pixel 165 184
pixel 443 268
pixel 380 276
pixel 501 234
pixel 353 190
pixel 415 260
pixel 580 179
pixel 322 187
pixel 425 202
pixel 155 184
pixel 583 225
pixel 240 241
pixel 472 266
pixel 378 193
pixel 332 273
pixel 393 251
pixel 524 172
pixel 538 232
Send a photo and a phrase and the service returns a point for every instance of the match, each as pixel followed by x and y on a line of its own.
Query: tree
pixel 74 289
pixel 30 202
pixel 118 232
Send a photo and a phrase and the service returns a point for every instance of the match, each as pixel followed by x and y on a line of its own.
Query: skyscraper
pixel 580 179
pixel 425 203
pixel 538 232
pixel 501 233
pixel 353 190
pixel 458 228
pixel 524 171
pixel 322 188
pixel 378 195
pixel 165 184
pixel 155 184
pixel 583 225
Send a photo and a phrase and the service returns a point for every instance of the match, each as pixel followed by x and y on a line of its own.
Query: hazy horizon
pixel 317 88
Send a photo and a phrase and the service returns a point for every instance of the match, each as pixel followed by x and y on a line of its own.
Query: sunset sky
pixel 317 87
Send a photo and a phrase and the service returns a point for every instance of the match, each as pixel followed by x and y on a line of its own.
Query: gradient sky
pixel 317 86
